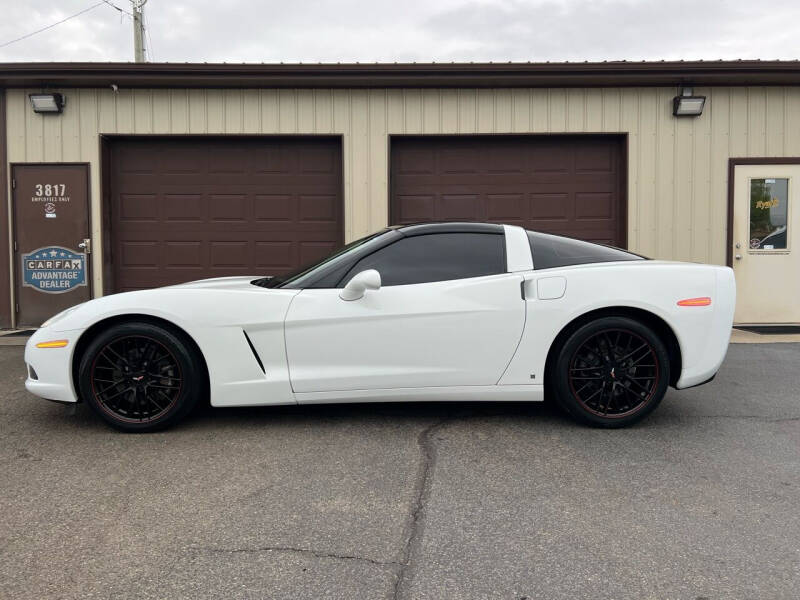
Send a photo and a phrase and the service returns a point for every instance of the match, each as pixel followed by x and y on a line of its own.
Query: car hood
pixel 217 301
pixel 237 282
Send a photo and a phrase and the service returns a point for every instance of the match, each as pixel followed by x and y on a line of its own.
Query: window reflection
pixel 769 204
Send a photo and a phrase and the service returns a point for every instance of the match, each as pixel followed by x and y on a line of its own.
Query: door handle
pixel 86 246
pixel 738 257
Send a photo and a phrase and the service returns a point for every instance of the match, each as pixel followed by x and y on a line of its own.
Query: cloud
pixel 411 30
pixel 618 30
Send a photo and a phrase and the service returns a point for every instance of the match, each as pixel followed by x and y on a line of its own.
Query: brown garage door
pixel 190 208
pixel 570 185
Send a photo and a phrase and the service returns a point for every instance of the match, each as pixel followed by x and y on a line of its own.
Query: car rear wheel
pixel 140 377
pixel 611 372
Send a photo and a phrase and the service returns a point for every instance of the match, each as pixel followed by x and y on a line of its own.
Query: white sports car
pixel 442 311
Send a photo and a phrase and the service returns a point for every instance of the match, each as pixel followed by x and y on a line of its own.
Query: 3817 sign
pixel 48 189
pixel 50 195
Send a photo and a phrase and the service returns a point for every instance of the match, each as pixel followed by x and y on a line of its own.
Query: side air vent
pixel 253 350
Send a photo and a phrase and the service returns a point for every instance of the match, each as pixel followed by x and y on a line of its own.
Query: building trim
pixel 6 312
pixel 413 75
pixel 732 164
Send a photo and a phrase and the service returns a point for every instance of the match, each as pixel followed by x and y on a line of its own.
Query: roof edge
pixel 383 75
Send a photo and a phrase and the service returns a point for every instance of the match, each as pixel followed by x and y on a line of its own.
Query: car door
pixel 447 314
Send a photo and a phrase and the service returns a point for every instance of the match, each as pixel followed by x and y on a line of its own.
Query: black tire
pixel 611 372
pixel 140 377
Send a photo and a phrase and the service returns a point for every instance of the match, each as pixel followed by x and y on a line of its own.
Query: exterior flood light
pixel 687 104
pixel 47 103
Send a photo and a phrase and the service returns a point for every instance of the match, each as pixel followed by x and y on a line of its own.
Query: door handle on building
pixel 738 257
pixel 86 246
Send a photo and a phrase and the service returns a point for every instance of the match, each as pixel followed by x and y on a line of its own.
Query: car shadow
pixel 209 417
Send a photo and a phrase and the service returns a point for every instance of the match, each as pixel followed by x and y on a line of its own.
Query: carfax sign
pixel 53 270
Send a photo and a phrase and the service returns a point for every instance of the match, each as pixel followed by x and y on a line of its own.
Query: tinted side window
pixel 555 251
pixel 436 257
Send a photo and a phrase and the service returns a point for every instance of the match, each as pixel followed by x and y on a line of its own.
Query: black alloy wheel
pixel 611 372
pixel 140 377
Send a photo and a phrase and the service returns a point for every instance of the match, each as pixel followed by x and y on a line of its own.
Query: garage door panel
pixel 132 161
pixel 549 207
pixel 499 161
pixel 415 207
pixel 318 208
pixel 598 205
pixel 594 160
pixel 416 161
pixel 273 207
pixel 545 159
pixel 141 208
pixel 184 209
pixel 230 253
pixel 279 255
pixel 229 208
pixel 139 254
pixel 189 161
pixel 460 160
pixel 233 161
pixel 317 161
pixel 272 160
pixel 184 255
pixel 506 207
pixel 459 207
pixel 566 184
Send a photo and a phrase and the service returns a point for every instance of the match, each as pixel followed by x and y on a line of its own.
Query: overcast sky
pixel 406 30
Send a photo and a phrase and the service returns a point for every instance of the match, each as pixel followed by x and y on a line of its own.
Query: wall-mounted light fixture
pixel 47 103
pixel 687 104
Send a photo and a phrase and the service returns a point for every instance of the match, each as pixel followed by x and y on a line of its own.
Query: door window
pixel 436 257
pixel 769 209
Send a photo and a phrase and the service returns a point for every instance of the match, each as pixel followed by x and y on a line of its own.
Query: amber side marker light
pixel 705 301
pixel 52 344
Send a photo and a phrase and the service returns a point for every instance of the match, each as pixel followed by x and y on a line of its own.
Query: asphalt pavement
pixel 398 501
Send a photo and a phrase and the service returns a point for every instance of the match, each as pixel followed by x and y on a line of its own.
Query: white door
pixel 766 221
pixel 445 333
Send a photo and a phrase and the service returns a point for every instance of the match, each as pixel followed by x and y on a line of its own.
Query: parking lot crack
pixel 761 418
pixel 422 490
pixel 306 551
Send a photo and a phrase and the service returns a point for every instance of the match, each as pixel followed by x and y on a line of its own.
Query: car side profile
pixel 440 312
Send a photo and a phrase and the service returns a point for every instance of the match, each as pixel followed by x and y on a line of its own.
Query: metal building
pixel 126 176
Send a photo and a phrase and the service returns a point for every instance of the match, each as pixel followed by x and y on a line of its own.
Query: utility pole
pixel 138 30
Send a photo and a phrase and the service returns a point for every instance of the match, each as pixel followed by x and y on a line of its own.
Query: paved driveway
pixel 411 501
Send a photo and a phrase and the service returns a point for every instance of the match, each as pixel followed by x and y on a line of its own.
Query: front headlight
pixel 59 316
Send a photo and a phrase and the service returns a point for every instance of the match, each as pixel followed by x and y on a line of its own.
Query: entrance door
pixel 51 239
pixel 766 252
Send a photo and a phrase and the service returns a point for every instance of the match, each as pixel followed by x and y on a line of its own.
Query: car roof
pixel 427 228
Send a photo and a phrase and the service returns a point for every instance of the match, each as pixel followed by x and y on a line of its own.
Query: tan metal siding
pixel 677 168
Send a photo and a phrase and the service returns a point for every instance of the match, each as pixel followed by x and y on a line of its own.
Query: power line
pixel 77 14
pixel 115 7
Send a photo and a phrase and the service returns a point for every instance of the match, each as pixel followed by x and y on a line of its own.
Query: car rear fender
pixel 702 332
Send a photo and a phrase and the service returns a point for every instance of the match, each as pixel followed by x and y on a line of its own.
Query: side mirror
pixel 358 285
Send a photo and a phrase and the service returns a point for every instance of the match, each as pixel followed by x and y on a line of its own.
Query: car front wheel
pixel 140 377
pixel 611 372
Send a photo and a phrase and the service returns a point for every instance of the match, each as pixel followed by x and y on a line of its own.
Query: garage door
pixel 570 185
pixel 190 208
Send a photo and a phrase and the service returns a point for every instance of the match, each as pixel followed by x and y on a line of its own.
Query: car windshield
pixel 299 277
